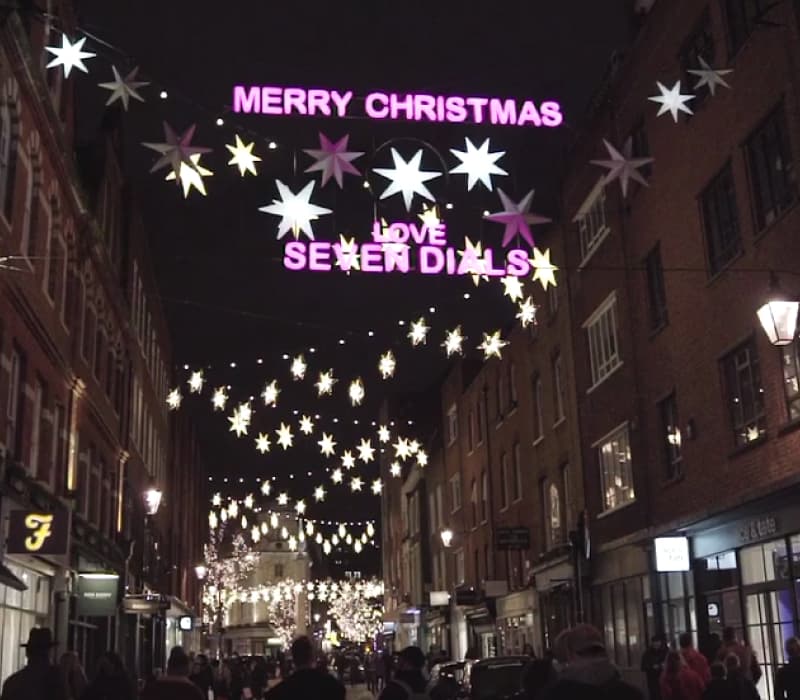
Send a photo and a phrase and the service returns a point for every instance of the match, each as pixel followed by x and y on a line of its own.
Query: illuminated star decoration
pixel 348 258
pixel 430 216
pixel 239 422
pixel 356 392
pixel 124 88
pixel 285 436
pixel 383 434
pixel 325 383
pixel 245 411
pixel 377 487
pixel 517 218
pixel 319 494
pixel 283 499
pixel 69 55
pixel 476 264
pixel 175 150
pixel 366 452
pixel 512 287
pixel 248 501
pixel 527 312
pixel 300 507
pixel 407 178
pixel 348 461
pixel 336 476
pixel 298 368
pixel 243 156
pixel 387 364
pixel 333 159
pixel 422 458
pixel 395 469
pixel 327 445
pixel 263 445
pixel 219 399
pixel 478 164
pixel 306 425
pixel 266 487
pixel 621 166
pixel 191 176
pixel 543 270
pixel 356 483
pixel 709 77
pixel 413 446
pixel 174 399
pixel 492 344
pixel 402 450
pixel 672 100
pixel 419 332
pixel 454 342
pixel 296 210
pixel 270 393
pixel 196 382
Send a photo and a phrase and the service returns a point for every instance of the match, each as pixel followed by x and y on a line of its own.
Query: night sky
pixel 225 292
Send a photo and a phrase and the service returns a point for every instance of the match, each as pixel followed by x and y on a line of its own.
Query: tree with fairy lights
pixel 357 612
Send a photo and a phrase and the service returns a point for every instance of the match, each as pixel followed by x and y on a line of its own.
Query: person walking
pixel 748 662
pixel 678 681
pixel 306 681
pixel 653 665
pixel 693 658
pixel 175 683
pixel 111 681
pixel 739 686
pixel 202 675
pixel 787 677
pixel 408 683
pixel 39 680
pixel 588 673
pixel 717 689
pixel 73 679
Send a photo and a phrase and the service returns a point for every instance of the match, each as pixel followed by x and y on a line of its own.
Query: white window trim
pixel 452 420
pixel 583 210
pixel 516 468
pixel 625 425
pixel 603 308
pixel 453 479
pixel 504 482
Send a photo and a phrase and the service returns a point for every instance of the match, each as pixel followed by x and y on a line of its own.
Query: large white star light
pixel 191 175
pixel 220 398
pixel 709 77
pixel 402 449
pixel 298 368
pixel 492 345
pixel 422 458
pixel 327 446
pixel 395 469
pixel 356 392
pixel 419 332
pixel 175 149
pixel 325 383
pixel 285 436
pixel 243 156
pixel 300 507
pixel 377 487
pixel 672 100
pixel 283 499
pixel 478 164
pixel 296 210
pixel 333 159
pixel 527 312
pixel 454 342
pixel 69 55
pixel 337 476
pixel 407 179
pixel 306 425
pixel 543 270
pixel 472 261
pixel 512 287
pixel 356 484
pixel 124 89
pixel 384 435
pixel 348 461
pixel 196 382
pixel 239 422
pixel 174 399
pixel 319 494
pixel 270 393
pixel 387 364
pixel 622 166
pixel 262 445
pixel 366 452
pixel 266 487
pixel 348 258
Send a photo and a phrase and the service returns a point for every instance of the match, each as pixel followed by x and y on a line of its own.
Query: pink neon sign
pixel 391 251
pixel 320 102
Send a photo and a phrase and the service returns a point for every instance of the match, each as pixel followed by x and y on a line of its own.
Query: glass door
pixel 769 624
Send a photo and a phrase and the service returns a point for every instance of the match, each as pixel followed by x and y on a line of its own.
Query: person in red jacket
pixel 678 681
pixel 693 658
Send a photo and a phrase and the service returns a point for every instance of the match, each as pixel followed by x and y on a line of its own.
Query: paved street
pixel 358 692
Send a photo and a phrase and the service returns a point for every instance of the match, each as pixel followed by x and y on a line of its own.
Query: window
pixel 439 509
pixel 552 300
pixel 15 404
pixel 477 569
pixel 601 330
pixel 699 45
pixel 432 511
pixel 503 481
pixel 558 389
pixel 471 431
pixel 552 510
pixel 640 147
pixel 501 395
pixel 538 418
pixel 742 17
pixel 484 496
pixel 459 557
pixel 566 487
pixel 721 220
pixel 452 424
pixel 512 385
pixel 37 432
pixel 791 379
pixel 473 497
pixel 58 473
pixel 278 572
pixel 656 296
pixel 30 215
pixel 9 130
pixel 591 219
pixel 481 421
pixel 455 493
pixel 616 476
pixel 744 393
pixel 670 436
pixel 90 321
pixel 516 481
pixel 99 345
pixel 772 174
pixel 51 262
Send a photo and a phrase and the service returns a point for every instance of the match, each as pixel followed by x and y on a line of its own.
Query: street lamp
pixel 200 571
pixel 447 537
pixel 152 500
pixel 778 315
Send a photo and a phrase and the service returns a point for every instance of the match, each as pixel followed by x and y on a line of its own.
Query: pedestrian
pixel 537 678
pixel 408 682
pixel 653 665
pixel 111 681
pixel 527 650
pixel 175 683
pixel 693 658
pixel 678 681
pixel 717 689
pixel 740 687
pixel 748 662
pixel 371 671
pixel 202 675
pixel 39 680
pixel 306 681
pixel 787 677
pixel 589 673
pixel 73 677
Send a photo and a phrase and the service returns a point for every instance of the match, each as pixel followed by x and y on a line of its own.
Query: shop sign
pixel 758 529
pixel 672 554
pixel 185 623
pixel 508 538
pixel 440 599
pixel 97 594
pixel 145 604
pixel 35 532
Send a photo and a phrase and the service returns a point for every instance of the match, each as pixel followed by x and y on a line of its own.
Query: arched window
pixel 53 244
pixel 9 138
pixel 31 215
pixel 554 508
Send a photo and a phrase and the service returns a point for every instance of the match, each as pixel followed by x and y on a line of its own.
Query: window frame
pixel 608 439
pixel 452 425
pixel 592 211
pixel 603 317
pixel 759 418
pixel 504 499
pixel 538 409
pixel 672 453
pixel 558 389
pixel 455 488
pixel 793 362
pixel 656 289
pixel 720 253
pixel 517 473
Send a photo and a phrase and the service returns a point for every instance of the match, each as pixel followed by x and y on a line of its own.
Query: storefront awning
pixel 8 578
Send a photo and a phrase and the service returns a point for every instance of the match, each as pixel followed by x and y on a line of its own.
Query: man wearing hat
pixel 408 682
pixel 39 680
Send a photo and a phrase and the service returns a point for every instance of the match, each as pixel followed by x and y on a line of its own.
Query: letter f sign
pixel 39 526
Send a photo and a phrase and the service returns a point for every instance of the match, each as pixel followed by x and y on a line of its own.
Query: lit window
pixel 616 475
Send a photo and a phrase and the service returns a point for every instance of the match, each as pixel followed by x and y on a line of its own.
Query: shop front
pixel 437 626
pixel 482 630
pixel 516 615
pixel 555 588
pixel 181 629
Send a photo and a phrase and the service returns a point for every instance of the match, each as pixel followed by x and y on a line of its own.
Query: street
pixel 358 692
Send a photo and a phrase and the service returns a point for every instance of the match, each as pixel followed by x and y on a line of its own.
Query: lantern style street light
pixel 152 500
pixel 778 315
pixel 447 537
pixel 200 571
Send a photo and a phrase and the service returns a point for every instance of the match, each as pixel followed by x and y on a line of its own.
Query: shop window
pixel 772 174
pixel 791 379
pixel 721 220
pixel 744 393
pixel 764 562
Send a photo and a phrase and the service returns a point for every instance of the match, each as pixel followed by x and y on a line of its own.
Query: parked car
pixel 446 680
pixel 497 678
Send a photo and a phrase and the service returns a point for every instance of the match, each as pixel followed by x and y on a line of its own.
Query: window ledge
pixel 605 378
pixel 538 440
pixel 789 427
pixel 616 509
pixel 560 422
pixel 656 330
pixel 742 449
pixel 595 245
pixel 721 272
pixel 674 481
pixel 512 410
pixel 503 509
pixel 772 224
